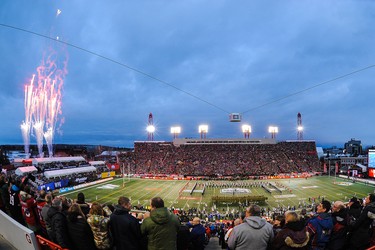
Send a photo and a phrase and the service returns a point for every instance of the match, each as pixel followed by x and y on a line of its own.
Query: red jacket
pixel 29 208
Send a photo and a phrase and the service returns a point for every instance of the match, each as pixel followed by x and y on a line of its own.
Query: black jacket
pixel 360 231
pixel 338 238
pixel 125 230
pixel 293 236
pixel 80 233
pixel 59 226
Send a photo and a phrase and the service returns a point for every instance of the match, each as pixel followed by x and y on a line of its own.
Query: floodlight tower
pixel 203 129
pixel 273 131
pixel 175 131
pixel 299 127
pixel 246 129
pixel 150 128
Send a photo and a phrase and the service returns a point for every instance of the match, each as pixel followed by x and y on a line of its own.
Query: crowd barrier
pixel 17 235
pixel 45 244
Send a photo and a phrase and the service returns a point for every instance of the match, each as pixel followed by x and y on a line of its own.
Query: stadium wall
pixel 19 236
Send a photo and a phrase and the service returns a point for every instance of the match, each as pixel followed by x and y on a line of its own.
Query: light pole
pixel 150 132
pixel 203 130
pixel 246 130
pixel 175 131
pixel 273 131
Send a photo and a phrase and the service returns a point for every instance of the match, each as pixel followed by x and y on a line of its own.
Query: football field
pixel 182 194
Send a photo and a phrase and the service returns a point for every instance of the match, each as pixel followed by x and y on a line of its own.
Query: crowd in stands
pixel 76 224
pixel 223 159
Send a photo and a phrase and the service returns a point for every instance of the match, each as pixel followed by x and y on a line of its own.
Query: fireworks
pixel 43 103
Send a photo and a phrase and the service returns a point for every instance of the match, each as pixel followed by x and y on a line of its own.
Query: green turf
pixel 298 191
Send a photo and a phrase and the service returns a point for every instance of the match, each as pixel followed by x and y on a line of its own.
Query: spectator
pixel 59 224
pixel 360 231
pixel 294 234
pixel 229 232
pixel 197 234
pixel 14 202
pixel 320 226
pixel 40 203
pixel 99 226
pixel 44 215
pixel 124 227
pixel 29 209
pixel 161 227
pixel 278 224
pixel 79 229
pixel 183 237
pixel 81 202
pixel 355 208
pixel 3 194
pixel 254 233
pixel 340 227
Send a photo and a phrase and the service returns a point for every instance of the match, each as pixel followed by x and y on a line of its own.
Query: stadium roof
pixel 25 170
pixel 57 159
pixel 69 171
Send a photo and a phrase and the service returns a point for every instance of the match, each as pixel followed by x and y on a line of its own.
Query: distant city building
pixel 353 147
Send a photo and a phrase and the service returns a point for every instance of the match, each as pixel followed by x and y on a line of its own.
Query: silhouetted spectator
pixel 79 230
pixel 81 202
pixel 59 224
pixel 124 227
pixel 360 231
pixel 340 218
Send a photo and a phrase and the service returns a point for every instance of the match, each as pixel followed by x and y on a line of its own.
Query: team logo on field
pixel 108 186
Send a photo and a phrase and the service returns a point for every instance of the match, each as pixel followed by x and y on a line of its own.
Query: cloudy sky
pixel 194 62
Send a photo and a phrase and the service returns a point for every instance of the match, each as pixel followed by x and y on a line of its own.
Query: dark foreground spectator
pixel 360 232
pixel 293 235
pixel 124 227
pixel 59 224
pixel 340 219
pixel 81 202
pixel 161 227
pixel 79 230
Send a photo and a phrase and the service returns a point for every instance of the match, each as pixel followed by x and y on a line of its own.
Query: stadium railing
pixel 45 244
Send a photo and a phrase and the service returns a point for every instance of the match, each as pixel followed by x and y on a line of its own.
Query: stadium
pixel 214 179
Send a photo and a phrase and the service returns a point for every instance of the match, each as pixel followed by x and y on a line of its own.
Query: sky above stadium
pixel 191 63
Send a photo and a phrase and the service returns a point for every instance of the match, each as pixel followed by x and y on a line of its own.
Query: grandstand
pixel 224 157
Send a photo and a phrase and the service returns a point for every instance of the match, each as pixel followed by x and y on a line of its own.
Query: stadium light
pixel 175 131
pixel 246 129
pixel 273 130
pixel 203 130
pixel 150 128
pixel 300 128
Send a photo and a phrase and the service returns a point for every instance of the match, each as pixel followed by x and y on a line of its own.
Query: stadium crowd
pixel 76 224
pixel 223 159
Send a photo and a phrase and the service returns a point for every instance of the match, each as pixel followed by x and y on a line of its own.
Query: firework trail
pixel 43 101
pixel 26 124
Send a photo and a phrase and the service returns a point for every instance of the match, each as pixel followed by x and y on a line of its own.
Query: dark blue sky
pixel 235 56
